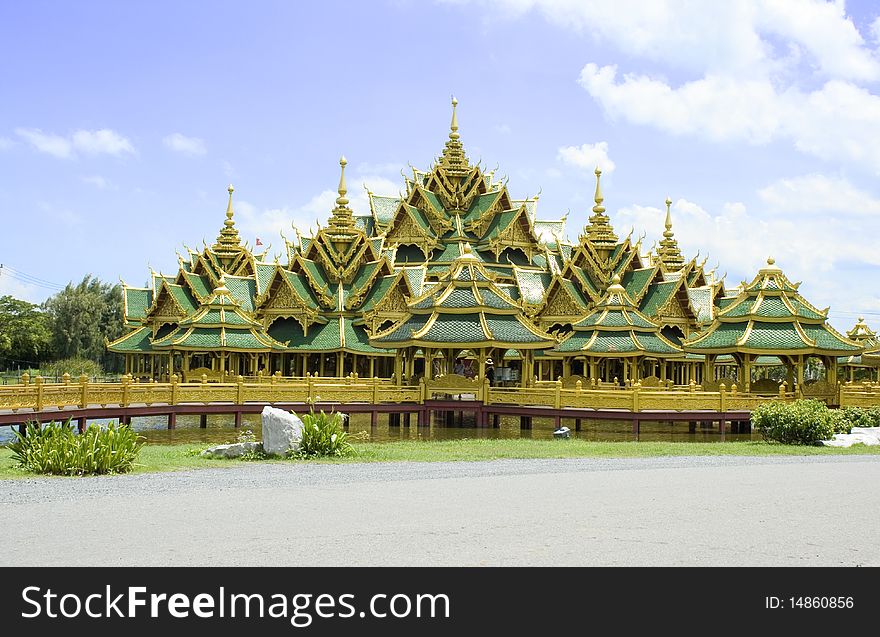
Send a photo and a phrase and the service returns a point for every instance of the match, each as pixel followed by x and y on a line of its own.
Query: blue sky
pixel 122 124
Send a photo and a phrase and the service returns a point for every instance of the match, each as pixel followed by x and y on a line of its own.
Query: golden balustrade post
pixel 557 394
pixel 126 381
pixel 733 389
pixel 65 378
pixel 239 390
pixel 722 397
pixel 273 379
pixel 782 391
pixel 692 386
pixel 375 390
pixel 83 391
pixel 38 384
pixel 578 386
pixel 422 391
pixel 174 389
pixel 259 375
pixel 25 379
pixel 310 384
pixel 594 383
pixel 486 387
pixel 636 390
pixel 312 398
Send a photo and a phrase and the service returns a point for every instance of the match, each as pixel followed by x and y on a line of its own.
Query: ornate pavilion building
pixel 457 269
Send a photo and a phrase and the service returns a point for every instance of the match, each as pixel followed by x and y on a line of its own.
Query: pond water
pixel 220 429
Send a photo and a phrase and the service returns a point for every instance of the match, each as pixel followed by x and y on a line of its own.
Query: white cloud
pixel 875 29
pixel 839 121
pixel 270 222
pixel 503 129
pixel 734 37
pixel 6 143
pixel 98 182
pixel 95 142
pixel 101 142
pixel 740 241
pixel 818 194
pixel 54 145
pixel 587 156
pixel 180 143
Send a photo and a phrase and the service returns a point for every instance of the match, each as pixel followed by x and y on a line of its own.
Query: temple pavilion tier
pixel 864 366
pixel 616 341
pixel 770 318
pixel 465 312
pixel 455 270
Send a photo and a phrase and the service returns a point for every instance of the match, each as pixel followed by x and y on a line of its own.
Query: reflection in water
pixel 220 429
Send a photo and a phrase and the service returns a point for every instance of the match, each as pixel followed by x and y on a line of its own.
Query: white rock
pixel 282 431
pixel 869 436
pixel 234 450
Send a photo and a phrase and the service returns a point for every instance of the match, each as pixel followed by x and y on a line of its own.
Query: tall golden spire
pixel 669 253
pixel 228 241
pixel 454 160
pixel 599 231
pixel 341 218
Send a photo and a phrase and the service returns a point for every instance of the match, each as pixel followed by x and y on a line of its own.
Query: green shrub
pixel 803 422
pixel 323 436
pixel 74 367
pixel 861 416
pixel 56 449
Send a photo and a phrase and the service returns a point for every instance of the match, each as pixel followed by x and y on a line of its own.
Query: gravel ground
pixel 637 511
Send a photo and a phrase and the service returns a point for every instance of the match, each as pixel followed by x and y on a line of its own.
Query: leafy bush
pixel 803 422
pixel 861 416
pixel 323 436
pixel 56 449
pixel 74 367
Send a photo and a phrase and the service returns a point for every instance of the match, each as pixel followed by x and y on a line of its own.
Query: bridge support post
pixel 203 421
pixel 450 418
pixel 721 427
pixel 525 422
pixel 80 425
pixel 237 419
pixel 557 422
pixel 172 420
pixel 635 425
pixel 692 427
pixel 406 419
pixel 374 418
pixel 22 429
pixel 577 424
pixel 496 421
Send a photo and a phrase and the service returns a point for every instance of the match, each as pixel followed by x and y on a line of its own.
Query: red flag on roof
pixel 259 243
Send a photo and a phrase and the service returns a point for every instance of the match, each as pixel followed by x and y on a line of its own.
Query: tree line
pixel 71 324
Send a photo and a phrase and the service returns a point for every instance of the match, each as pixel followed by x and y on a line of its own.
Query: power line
pixel 28 279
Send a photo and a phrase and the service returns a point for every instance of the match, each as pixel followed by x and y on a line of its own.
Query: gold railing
pixel 36 394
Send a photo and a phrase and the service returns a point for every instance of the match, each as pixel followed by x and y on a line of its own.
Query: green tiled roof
pixel 301 287
pixel 405 330
pixel 826 339
pixel 265 271
pixel 415 278
pixel 321 337
pixel 584 279
pixel 135 341
pixel 420 219
pixel 433 201
pixel 531 284
pixel 575 293
pixel 701 300
pixel 657 296
pixel 243 290
pixel 500 222
pixel 364 222
pixel 356 339
pixel 510 329
pixel 200 284
pixel 774 336
pixel 377 292
pixel 460 298
pixel 636 282
pixel 384 208
pixel 137 301
pixel 455 328
pixel 481 204
pixel 493 300
pixel 721 335
pixel 183 297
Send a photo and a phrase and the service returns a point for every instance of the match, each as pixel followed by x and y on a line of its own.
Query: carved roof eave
pixel 323 293
pixel 150 313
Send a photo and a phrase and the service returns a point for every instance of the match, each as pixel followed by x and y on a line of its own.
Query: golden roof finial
pixel 669 252
pixel 598 198
pixel 453 134
pixel 229 211
pixel 668 218
pixel 342 190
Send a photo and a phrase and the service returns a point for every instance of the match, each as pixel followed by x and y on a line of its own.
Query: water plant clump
pixel 323 436
pixel 56 449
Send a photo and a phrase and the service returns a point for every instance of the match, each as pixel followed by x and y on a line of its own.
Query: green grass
pixel 181 457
